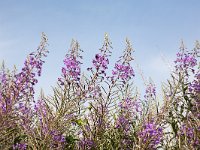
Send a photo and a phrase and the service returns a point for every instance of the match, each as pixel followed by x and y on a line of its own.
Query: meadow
pixel 98 110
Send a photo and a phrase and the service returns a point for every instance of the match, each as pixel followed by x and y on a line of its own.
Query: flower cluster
pixel 20 146
pixel 42 114
pixel 3 84
pixel 100 63
pixel 72 69
pixel 40 109
pixel 27 76
pixel 151 135
pixel 124 72
pixel 86 144
pixel 123 69
pixel 130 105
pixel 195 85
pixel 123 122
pixel 150 92
pixel 116 117
pixel 56 138
pixel 129 112
pixel 186 60
pixel 188 134
pixel 2 77
pixel 25 113
pixel 26 79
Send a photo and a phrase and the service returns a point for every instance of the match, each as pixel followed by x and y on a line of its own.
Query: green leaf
pixel 70 139
pixel 19 139
pixel 79 122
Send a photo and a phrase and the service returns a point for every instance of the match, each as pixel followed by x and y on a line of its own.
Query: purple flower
pixel 123 72
pixel 3 77
pixel 72 68
pixel 123 69
pixel 20 146
pixel 40 110
pixel 100 63
pixel 195 85
pixel 194 89
pixel 123 123
pixel 186 61
pixel 26 79
pixel 150 91
pixel 57 137
pixel 151 135
pixel 130 105
pixel 86 144
pixel 188 134
pixel 2 104
pixel 129 109
pixel 17 87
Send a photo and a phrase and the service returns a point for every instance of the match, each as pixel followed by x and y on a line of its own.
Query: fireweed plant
pixel 98 110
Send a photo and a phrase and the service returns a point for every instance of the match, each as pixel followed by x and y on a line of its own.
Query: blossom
pixel 130 105
pixel 87 144
pixel 151 134
pixel 185 61
pixel 57 137
pixel 150 91
pixel 17 87
pixel 129 109
pixel 26 79
pixel 3 78
pixel 194 89
pixel 40 108
pixel 195 85
pixel 100 62
pixel 20 146
pixel 124 72
pixel 72 68
pixel 188 134
pixel 123 122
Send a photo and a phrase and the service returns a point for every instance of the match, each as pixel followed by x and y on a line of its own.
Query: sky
pixel 155 28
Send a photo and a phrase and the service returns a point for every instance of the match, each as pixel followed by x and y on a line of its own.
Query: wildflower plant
pixel 98 109
pixel 180 100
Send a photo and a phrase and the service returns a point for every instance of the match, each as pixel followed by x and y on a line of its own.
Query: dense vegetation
pixel 100 111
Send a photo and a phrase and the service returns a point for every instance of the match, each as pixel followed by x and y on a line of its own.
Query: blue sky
pixel 155 28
